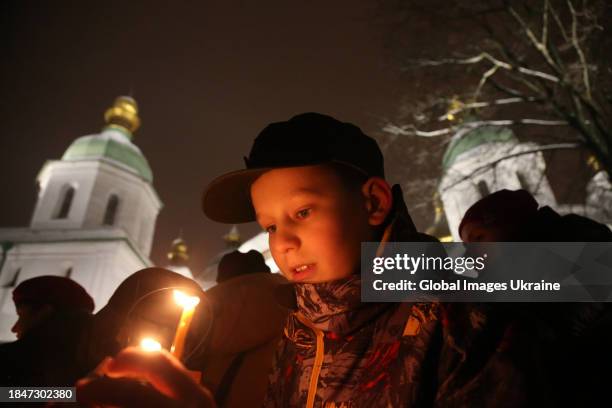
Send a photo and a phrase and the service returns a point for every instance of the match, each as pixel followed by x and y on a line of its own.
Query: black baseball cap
pixel 304 140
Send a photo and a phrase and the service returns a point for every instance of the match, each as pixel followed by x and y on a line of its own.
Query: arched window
pixel 111 210
pixel 522 181
pixel 66 203
pixel 483 189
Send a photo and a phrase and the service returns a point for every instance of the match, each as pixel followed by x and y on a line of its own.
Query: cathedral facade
pixel 94 217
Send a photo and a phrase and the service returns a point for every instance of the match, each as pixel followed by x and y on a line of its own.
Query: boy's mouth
pixel 302 272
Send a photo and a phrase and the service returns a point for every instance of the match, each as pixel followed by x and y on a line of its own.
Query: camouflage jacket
pixel 339 352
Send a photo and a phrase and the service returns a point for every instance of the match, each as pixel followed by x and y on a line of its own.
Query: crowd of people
pixel 304 338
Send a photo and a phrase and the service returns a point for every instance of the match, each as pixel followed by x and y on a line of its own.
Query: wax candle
pixel 188 303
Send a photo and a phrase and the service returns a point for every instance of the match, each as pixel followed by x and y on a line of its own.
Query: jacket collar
pixel 335 306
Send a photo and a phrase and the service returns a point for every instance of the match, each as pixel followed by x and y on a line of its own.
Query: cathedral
pixel 94 217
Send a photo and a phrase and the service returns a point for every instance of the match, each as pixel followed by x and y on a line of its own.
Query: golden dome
pixel 179 253
pixel 232 238
pixel 123 114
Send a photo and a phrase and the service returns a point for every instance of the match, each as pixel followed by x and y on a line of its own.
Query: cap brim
pixel 227 198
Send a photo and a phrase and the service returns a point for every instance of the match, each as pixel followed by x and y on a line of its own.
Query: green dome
pixel 112 144
pixel 474 138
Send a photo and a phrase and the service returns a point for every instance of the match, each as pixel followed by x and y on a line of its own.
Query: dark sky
pixel 207 75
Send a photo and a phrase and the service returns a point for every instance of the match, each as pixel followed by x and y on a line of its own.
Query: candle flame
pixel 185 301
pixel 148 344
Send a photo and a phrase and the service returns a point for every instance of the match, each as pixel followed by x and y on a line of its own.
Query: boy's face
pixel 315 223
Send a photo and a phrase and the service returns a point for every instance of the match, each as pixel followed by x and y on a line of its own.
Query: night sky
pixel 207 76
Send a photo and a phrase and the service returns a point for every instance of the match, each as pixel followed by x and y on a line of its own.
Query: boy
pixel 316 185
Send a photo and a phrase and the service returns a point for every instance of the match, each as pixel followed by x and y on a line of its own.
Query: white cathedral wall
pixel 599 198
pixel 94 182
pixel 51 180
pixel 138 204
pixel 99 266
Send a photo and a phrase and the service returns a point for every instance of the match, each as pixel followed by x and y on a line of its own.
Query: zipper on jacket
pixel 318 362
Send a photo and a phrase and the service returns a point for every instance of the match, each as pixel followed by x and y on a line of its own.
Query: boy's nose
pixel 286 240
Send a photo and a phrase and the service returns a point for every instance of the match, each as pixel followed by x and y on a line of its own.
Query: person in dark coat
pixel 237 263
pixel 572 338
pixel 514 216
pixel 53 314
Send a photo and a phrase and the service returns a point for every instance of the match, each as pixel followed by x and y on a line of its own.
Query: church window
pixel 66 203
pixel 522 181
pixel 483 189
pixel 110 214
pixel 12 282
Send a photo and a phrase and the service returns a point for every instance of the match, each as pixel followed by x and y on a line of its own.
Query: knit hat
pixel 504 207
pixel 57 291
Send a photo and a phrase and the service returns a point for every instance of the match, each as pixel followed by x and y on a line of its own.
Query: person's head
pixel 316 185
pixel 143 306
pixel 498 217
pixel 38 298
pixel 237 263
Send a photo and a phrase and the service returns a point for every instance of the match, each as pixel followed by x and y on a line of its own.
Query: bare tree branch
pixel 506 90
pixel 489 73
pixel 477 105
pixel 411 130
pixel 559 24
pixel 541 47
pixel 544 39
pixel 583 62
pixel 486 56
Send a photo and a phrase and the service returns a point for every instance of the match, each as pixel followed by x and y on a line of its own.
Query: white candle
pixel 188 303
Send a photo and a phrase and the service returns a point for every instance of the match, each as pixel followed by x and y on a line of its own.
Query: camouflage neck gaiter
pixel 335 306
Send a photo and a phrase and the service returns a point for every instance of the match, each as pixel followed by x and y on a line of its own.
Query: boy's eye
pixel 303 213
pixel 270 229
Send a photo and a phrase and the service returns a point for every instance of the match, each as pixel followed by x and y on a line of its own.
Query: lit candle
pixel 148 344
pixel 188 303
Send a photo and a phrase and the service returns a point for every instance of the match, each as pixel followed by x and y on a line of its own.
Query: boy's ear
pixel 378 199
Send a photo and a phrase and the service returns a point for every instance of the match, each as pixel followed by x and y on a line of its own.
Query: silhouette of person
pixel 53 314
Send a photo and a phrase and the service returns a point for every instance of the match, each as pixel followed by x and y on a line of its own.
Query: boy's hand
pixel 138 378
